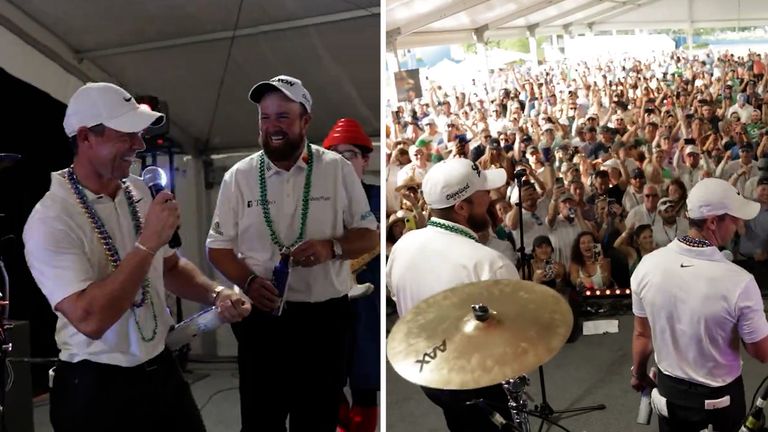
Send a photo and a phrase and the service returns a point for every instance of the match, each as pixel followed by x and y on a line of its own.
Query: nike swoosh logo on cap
pixel 128 99
pixel 685 266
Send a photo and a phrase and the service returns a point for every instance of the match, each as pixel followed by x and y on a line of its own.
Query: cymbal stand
pixel 545 412
pixel 518 404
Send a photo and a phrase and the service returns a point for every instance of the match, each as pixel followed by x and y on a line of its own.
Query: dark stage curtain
pixel 32 127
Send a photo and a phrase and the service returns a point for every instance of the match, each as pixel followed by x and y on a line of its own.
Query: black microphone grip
pixel 175 241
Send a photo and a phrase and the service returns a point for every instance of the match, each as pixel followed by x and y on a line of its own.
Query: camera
pixel 648 110
pixel 521 173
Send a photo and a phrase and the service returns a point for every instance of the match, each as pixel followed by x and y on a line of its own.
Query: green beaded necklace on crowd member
pixel 452 228
pixel 110 250
pixel 304 202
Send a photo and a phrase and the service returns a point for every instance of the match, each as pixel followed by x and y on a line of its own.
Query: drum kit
pixel 481 334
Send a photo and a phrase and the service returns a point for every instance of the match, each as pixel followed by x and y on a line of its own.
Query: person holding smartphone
pixel 589 269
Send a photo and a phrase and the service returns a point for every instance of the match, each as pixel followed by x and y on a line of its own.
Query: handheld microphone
pixel 155 180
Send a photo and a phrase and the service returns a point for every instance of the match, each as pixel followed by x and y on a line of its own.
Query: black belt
pixel 158 362
pixel 694 395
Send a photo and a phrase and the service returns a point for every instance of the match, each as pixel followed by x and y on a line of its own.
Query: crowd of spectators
pixel 600 156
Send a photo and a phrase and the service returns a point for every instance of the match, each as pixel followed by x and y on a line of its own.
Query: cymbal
pixel 441 344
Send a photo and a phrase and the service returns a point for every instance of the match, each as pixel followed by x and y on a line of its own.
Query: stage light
pixel 597 292
pixel 588 292
pixel 626 291
pixel 155 104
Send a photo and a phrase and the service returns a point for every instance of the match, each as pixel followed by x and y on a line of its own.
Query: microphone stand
pixel 543 410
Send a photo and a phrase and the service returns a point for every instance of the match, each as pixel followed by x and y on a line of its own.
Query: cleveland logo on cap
pixel 457 193
pixel 283 81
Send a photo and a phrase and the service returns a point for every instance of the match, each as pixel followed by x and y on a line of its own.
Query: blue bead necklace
pixel 110 250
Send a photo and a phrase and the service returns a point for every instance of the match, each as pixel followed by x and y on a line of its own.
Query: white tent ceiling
pixel 178 50
pixel 417 23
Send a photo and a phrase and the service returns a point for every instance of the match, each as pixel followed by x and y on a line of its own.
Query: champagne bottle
pixel 280 278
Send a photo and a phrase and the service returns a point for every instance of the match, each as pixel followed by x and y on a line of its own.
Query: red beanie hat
pixel 348 131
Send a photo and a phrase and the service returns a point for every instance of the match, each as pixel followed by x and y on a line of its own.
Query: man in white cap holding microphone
pixel 299 200
pixel 96 245
pixel 692 308
pixel 445 254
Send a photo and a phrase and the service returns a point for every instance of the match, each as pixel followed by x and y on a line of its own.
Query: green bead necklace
pixel 451 228
pixel 304 201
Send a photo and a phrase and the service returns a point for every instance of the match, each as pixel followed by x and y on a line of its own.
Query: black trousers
pixel 293 365
pixel 89 396
pixel 463 417
pixel 685 405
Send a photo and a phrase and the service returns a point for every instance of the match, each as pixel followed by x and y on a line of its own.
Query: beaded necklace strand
pixel 304 202
pixel 451 228
pixel 110 250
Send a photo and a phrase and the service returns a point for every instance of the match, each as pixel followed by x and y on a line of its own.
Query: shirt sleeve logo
pixel 216 228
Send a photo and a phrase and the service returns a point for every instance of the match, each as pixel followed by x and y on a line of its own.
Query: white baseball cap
pixel 548 127
pixel 691 149
pixel 453 180
pixel 611 163
pixel 290 86
pixel 713 197
pixel 110 105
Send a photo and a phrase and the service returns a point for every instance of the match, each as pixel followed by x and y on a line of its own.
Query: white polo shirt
pixel 663 235
pixel 430 260
pixel 631 199
pixel 534 224
pixel 698 304
pixel 733 167
pixel 337 202
pixel 563 235
pixel 65 256
pixel 641 216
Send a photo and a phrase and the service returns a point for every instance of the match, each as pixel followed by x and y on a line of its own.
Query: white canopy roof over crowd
pixel 417 23
pixel 185 52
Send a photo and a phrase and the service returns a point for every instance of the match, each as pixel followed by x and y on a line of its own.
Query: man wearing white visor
pixel 96 245
pixel 692 308
pixel 445 254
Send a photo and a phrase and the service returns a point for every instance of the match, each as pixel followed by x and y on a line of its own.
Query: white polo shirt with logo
pixel 65 256
pixel 337 202
pixel 430 260
pixel 698 305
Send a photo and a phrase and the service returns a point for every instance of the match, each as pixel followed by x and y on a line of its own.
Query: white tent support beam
pixel 51 46
pixel 600 15
pixel 248 31
pixel 532 45
pixel 451 9
pixel 757 22
pixel 637 5
pixel 48 44
pixel 570 12
pixel 689 27
pixel 524 12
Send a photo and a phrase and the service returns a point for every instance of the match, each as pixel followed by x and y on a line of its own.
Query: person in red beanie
pixel 348 139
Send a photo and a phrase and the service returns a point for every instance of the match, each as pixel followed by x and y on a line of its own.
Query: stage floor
pixel 593 370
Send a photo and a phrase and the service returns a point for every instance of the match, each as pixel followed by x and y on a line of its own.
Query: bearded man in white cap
pixel 693 308
pixel 292 200
pixel 457 192
pixel 96 244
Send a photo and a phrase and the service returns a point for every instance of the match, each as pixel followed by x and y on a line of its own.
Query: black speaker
pixel 18 407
